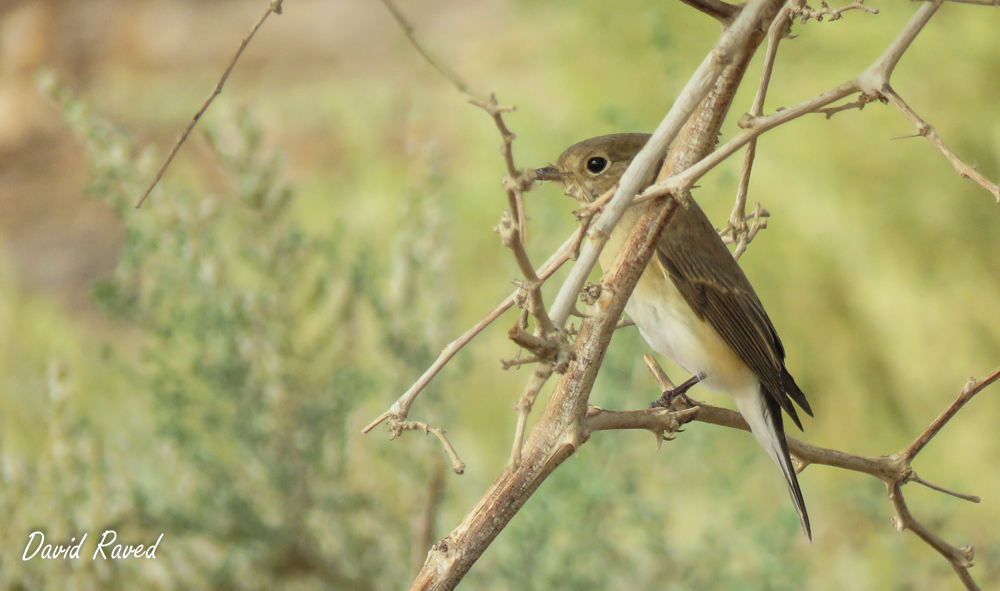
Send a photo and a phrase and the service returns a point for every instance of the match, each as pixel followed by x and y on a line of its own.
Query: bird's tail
pixel 763 415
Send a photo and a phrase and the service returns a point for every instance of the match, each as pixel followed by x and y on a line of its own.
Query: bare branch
pixel 858 104
pixel 398 427
pixel 506 364
pixel 662 422
pixel 947 491
pixel 401 408
pixel 273 8
pixel 437 64
pixel 971 389
pixel 875 77
pixel 523 407
pixel 741 234
pixel 658 374
pixel 533 284
pixel 960 558
pixel 754 128
pixel 806 12
pixel 927 130
pixel 517 181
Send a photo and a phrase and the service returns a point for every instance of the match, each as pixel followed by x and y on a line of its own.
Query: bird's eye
pixel 597 165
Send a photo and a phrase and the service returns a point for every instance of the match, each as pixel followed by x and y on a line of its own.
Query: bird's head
pixel 589 168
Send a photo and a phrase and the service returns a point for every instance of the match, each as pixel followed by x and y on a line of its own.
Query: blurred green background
pixel 202 367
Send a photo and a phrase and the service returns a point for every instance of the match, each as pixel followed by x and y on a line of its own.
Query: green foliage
pixel 253 352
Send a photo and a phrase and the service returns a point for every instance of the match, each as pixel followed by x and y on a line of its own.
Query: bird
pixel 693 303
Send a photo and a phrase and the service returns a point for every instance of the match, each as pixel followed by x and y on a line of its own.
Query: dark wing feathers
pixel 715 287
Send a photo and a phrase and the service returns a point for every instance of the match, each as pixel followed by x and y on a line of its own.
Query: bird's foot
pixel 678 392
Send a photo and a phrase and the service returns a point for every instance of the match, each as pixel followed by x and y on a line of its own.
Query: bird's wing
pixel 713 284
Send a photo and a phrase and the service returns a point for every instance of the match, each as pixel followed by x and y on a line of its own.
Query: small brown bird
pixel 693 303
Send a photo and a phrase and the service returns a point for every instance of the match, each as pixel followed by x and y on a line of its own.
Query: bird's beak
pixel 550 173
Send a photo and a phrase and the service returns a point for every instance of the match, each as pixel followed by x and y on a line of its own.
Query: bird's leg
pixel 680 391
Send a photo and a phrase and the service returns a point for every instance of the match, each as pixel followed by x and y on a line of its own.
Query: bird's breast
pixel 670 326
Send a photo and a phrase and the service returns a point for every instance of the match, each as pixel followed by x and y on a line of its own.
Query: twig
pixel 806 12
pixel 521 180
pixel 510 236
pixel 553 350
pixel 659 375
pixel 872 81
pixel 759 217
pixel 662 422
pixel 858 104
pixel 401 408
pixel 960 558
pixel 597 205
pixel 523 407
pixel 927 130
pixel 971 389
pixel 947 491
pixel 980 2
pixel 717 9
pixel 273 7
pixel 437 64
pixel 741 234
pixel 516 182
pixel 456 464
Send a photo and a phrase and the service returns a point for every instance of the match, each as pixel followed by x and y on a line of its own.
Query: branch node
pixel 590 293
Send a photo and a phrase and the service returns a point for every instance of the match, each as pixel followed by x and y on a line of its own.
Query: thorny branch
pixel 567 422
pixel 894 470
pixel 737 229
pixel 274 7
pixel 873 82
pixel 807 12
pixel 517 181
pixel 401 408
pixel 437 64
pixel 927 130
pixel 532 285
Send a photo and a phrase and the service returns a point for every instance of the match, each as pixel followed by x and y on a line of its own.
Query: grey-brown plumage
pixel 695 305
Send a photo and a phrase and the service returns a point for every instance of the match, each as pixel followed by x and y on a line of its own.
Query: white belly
pixel 672 329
